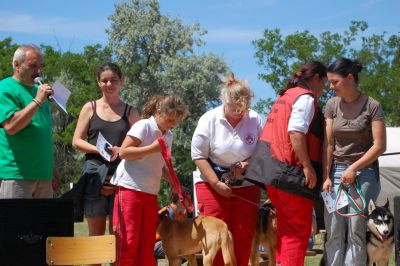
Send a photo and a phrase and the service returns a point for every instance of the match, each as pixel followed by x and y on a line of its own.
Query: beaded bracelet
pixel 37 102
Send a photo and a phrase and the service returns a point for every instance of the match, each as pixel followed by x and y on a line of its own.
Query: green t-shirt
pixel 28 154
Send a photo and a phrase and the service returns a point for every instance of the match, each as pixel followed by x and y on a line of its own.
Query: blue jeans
pixel 346 236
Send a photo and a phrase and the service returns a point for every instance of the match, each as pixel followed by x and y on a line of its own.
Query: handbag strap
pixel 183 196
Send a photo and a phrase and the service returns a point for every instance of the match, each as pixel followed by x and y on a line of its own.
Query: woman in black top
pixel 113 118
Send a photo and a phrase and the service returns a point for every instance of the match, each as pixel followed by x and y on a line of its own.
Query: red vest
pixel 274 161
pixel 276 130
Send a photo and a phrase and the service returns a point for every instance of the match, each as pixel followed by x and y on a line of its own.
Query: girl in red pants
pixel 138 180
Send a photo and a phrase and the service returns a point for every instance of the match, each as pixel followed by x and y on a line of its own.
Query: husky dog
pixel 380 234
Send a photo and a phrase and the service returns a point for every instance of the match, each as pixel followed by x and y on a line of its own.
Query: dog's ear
pixel 371 206
pixel 387 204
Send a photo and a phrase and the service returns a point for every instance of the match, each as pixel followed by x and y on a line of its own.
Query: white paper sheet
pixel 330 199
pixel 102 146
pixel 61 95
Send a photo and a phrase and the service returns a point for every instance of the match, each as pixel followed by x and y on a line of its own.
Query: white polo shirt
pixel 143 174
pixel 216 139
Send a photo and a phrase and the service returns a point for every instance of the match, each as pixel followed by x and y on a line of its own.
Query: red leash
pixel 183 196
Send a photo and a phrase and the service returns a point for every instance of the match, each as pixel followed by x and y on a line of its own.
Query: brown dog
pixel 185 238
pixel 265 235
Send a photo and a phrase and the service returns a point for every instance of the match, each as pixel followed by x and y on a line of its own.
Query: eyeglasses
pixel 236 109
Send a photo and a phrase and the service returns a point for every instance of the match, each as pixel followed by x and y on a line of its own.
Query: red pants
pixel 135 222
pixel 240 214
pixel 294 216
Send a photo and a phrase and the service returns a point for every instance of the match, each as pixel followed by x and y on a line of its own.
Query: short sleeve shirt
pixel 215 139
pixel 143 174
pixel 302 114
pixel 28 154
pixel 353 137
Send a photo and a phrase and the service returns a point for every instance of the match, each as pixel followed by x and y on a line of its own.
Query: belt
pixel 224 174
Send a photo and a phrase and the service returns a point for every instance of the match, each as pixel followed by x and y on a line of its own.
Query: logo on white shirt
pixel 250 138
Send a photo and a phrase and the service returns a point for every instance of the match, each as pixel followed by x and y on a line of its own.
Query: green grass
pixel 318 244
pixel 81 229
pixel 314 261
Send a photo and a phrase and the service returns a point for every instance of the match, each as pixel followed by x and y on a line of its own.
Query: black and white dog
pixel 380 234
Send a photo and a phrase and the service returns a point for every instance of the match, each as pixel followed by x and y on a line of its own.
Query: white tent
pixel 389 166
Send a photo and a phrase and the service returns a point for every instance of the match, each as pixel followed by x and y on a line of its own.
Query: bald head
pixel 27 64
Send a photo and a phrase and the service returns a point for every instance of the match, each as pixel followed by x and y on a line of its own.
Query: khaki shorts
pixel 25 189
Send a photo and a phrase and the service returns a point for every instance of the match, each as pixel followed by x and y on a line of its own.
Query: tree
pixel 6 54
pixel 281 56
pixel 157 55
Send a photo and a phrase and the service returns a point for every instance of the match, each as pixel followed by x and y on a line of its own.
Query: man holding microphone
pixel 26 146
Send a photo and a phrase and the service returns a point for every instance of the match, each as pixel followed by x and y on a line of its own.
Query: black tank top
pixel 113 131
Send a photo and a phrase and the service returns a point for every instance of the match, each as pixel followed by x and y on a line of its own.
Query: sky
pixel 232 25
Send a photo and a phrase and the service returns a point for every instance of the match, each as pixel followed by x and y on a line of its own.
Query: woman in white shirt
pixel 222 143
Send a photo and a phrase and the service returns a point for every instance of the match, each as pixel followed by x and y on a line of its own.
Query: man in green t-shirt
pixel 26 146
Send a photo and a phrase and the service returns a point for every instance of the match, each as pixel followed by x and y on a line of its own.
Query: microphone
pixel 38 80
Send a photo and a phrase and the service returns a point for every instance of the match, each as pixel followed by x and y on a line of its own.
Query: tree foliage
pixel 6 54
pixel 158 56
pixel 281 55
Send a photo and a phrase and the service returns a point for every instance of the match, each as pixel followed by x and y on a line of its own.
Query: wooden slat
pixel 80 250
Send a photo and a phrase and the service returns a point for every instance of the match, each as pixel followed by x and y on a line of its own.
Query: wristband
pixel 37 102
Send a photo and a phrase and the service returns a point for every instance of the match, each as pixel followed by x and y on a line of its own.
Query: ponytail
pixel 150 108
pixel 167 104
pixel 300 77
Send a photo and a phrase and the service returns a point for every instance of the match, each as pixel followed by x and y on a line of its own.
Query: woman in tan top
pixel 355 138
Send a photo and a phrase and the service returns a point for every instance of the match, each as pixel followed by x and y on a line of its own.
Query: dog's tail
pixel 266 210
pixel 228 252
